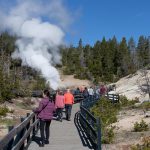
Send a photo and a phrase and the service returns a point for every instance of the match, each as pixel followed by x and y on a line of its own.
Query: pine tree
pixel 125 59
pixel 143 52
pixel 132 50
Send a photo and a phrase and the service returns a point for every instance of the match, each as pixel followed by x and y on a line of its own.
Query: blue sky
pixel 94 19
pixel 99 18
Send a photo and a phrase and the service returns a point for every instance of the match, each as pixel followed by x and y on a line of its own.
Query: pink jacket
pixel 59 102
pixel 45 109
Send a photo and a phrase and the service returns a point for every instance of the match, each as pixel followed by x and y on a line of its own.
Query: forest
pixel 15 79
pixel 106 61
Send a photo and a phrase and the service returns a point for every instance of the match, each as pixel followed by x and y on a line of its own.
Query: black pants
pixel 45 130
pixel 68 108
pixel 59 113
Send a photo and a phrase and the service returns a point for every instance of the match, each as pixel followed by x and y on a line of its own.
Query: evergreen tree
pixel 132 50
pixel 125 59
pixel 143 51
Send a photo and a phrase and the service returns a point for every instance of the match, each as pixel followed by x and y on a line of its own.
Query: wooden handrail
pixel 88 113
pixel 86 117
pixel 19 133
pixel 91 125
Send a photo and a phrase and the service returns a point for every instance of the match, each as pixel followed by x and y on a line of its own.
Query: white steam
pixel 38 41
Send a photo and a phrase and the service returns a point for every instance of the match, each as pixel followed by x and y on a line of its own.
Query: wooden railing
pixel 91 126
pixel 113 97
pixel 78 97
pixel 19 137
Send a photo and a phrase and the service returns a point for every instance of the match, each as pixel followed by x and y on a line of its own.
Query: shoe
pixel 41 144
pixel 46 141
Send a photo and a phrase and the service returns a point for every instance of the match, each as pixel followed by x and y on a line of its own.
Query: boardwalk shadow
pixel 83 136
pixel 37 140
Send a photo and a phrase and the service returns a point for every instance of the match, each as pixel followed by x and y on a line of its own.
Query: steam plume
pixel 38 41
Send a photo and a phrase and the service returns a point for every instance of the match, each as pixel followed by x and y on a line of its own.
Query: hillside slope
pixel 130 86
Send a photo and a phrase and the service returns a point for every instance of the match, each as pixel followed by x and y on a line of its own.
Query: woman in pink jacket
pixel 45 114
pixel 59 104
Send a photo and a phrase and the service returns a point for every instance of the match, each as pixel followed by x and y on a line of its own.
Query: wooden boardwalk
pixel 63 135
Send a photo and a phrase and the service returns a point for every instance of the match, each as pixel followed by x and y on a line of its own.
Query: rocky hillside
pixel 130 86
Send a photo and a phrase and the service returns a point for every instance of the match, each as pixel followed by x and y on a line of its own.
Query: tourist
pixel 91 93
pixel 45 114
pixel 77 91
pixel 85 93
pixel 103 90
pixel 69 101
pixel 59 104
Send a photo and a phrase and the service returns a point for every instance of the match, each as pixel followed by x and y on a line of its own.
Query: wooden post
pixel 10 144
pixel 22 133
pixel 98 134
pixel 33 131
pixel 113 98
pixel 28 126
pixel 19 135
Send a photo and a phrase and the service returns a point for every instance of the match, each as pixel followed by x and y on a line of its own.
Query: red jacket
pixel 68 98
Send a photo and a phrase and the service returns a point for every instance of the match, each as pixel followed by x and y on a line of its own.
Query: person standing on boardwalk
pixel 69 101
pixel 103 90
pixel 59 104
pixel 85 93
pixel 45 114
pixel 91 93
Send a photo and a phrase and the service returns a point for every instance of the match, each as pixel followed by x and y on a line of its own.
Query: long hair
pixel 46 92
pixel 52 96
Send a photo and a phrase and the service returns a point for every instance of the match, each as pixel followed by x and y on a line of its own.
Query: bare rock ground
pixel 130 86
pixel 71 82
pixel 19 109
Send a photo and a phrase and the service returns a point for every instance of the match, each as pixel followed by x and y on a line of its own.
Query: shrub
pixel 126 102
pixel 107 113
pixel 142 126
pixel 7 122
pixel 145 105
pixel 26 104
pixel 108 135
pixel 145 145
pixel 3 111
pixel 11 111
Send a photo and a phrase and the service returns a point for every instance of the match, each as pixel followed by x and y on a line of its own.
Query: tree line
pixel 15 80
pixel 107 60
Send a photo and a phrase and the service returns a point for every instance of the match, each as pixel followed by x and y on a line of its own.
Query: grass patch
pixel 139 127
pixel 124 102
pixel 107 112
pixel 3 111
pixel 7 122
pixel 144 105
pixel 144 146
pixel 26 104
